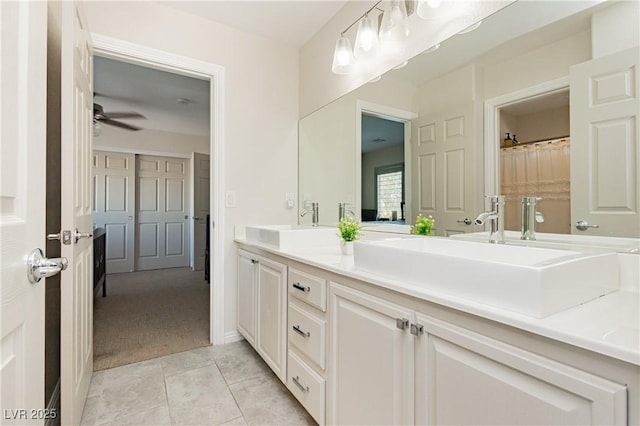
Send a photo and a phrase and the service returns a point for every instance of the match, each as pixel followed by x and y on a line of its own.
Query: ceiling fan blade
pixel 119 124
pixel 124 115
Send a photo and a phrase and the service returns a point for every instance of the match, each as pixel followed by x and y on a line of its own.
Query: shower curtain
pixel 540 170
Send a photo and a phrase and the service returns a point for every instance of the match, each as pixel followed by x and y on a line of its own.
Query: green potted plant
pixel 423 225
pixel 349 229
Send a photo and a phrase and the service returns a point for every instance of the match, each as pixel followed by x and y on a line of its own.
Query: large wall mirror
pixel 437 135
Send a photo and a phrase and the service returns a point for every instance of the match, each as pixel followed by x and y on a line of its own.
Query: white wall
pixel 261 108
pixel 148 141
pixel 319 86
pixel 616 28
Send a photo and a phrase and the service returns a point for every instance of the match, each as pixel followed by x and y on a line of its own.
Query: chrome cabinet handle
pixel 304 334
pixel 296 380
pixel 78 235
pixel 583 225
pixel 402 323
pixel 417 329
pixel 297 286
pixel 39 267
pixel 466 221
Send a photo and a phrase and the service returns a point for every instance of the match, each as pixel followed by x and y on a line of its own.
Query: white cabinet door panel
pixel 466 378
pixel 247 296
pixel 370 369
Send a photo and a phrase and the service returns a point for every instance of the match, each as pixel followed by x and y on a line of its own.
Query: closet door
pixel 114 206
pixel 162 185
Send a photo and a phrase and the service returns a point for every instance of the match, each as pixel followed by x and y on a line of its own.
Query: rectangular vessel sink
pixel 532 281
pixel 287 237
pixel 561 241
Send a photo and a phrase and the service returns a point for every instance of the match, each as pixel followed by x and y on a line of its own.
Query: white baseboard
pixel 54 404
pixel 232 336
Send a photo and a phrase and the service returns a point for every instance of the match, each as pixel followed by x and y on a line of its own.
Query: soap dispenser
pixel 508 142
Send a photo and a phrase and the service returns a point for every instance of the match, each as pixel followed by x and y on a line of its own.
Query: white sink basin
pixel 287 237
pixel 533 281
pixel 561 241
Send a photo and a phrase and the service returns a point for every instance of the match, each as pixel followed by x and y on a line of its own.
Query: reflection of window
pixel 389 190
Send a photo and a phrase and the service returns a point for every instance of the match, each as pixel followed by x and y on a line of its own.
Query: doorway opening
pixel 544 111
pixel 182 151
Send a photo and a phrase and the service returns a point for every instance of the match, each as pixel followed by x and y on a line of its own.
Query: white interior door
pixel 605 153
pixel 162 212
pixel 443 169
pixel 200 171
pixel 114 206
pixel 76 364
pixel 23 76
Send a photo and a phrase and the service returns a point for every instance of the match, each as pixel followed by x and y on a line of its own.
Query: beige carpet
pixel 150 314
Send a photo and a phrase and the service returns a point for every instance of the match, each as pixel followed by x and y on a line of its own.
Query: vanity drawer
pixel 308 334
pixel 307 386
pixel 308 288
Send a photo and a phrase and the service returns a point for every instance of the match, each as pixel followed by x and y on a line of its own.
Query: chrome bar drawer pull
pixel 304 334
pixel 296 380
pixel 297 286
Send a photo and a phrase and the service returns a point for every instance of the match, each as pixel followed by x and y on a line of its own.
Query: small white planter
pixel 347 247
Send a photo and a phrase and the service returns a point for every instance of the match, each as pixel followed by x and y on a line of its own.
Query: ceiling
pixel 121 87
pixel 379 133
pixel 293 22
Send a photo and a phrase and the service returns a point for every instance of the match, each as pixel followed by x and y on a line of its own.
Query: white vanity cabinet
pixel 307 341
pixel 388 363
pixel 262 301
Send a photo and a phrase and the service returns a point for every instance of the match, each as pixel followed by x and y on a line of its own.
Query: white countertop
pixel 609 325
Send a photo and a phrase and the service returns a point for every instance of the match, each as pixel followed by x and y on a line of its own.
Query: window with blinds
pixel 389 190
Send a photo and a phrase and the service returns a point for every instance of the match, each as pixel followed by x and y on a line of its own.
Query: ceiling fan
pixel 99 116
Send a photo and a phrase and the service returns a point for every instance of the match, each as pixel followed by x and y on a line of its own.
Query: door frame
pixel 492 134
pixel 121 50
pixel 392 114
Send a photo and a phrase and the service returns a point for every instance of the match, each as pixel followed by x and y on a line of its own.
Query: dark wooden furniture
pixel 99 261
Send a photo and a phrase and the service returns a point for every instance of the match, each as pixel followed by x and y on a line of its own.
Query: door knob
pixel 196 218
pixel 78 235
pixel 39 267
pixel 583 225
pixel 466 221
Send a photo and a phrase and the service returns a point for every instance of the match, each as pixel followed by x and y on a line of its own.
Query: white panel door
pixel 271 316
pixel 370 369
pixel 23 76
pixel 162 212
pixel 605 152
pixel 76 340
pixel 200 209
pixel 443 160
pixel 466 378
pixel 114 206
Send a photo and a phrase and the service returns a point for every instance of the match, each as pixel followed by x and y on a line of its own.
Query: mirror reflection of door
pixel 383 171
pixel 535 158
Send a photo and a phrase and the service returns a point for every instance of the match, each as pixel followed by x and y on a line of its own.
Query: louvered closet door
pixel 162 185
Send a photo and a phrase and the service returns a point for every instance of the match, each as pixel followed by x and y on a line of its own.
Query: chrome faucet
pixel 343 211
pixel 314 211
pixel 496 217
pixel 529 217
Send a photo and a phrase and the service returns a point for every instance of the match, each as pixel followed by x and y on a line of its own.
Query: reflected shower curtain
pixel 537 170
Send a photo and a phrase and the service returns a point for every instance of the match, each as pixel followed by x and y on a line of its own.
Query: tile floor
pixel 216 385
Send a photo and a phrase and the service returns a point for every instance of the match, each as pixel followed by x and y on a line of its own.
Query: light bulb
pixel 97 129
pixel 342 57
pixel 366 46
pixel 430 9
pixel 395 22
